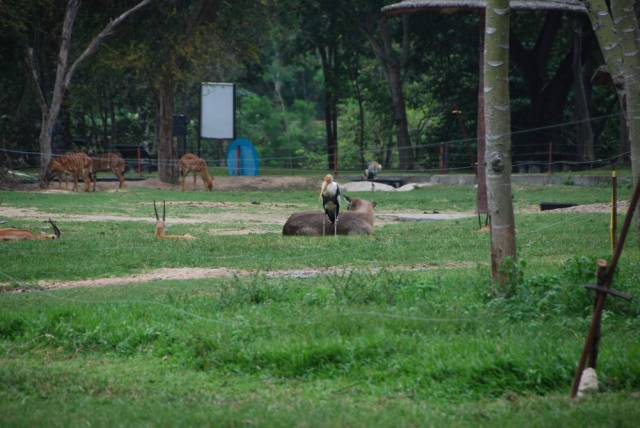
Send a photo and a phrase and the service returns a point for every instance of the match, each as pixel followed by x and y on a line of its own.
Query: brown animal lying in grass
pixel 357 221
pixel 12 234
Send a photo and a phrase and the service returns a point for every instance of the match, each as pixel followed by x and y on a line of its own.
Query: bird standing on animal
pixel 330 194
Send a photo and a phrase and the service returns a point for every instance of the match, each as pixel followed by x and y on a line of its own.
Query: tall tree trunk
pixel 481 174
pixel 114 122
pixel 167 163
pixel 50 112
pixel 498 144
pixel 361 117
pixel 64 74
pixel 617 32
pixel 626 20
pixel 405 149
pixel 329 66
pixel 392 66
pixel 582 96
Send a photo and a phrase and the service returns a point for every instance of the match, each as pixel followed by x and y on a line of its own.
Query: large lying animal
pixel 357 221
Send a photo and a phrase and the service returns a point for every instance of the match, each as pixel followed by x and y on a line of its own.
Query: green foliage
pixel 544 295
pixel 404 317
pixel 288 138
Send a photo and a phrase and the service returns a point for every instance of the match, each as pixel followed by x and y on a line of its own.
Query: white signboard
pixel 218 111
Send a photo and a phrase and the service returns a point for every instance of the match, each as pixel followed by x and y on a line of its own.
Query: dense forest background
pixel 320 84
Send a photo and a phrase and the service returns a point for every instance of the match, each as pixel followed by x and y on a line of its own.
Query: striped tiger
pixel 78 165
pixel 108 162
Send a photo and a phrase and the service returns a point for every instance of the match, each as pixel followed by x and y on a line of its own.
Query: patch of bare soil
pixel 275 216
pixel 622 207
pixel 238 183
pixel 204 273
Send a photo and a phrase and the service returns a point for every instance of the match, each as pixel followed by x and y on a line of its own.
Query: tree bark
pixel 582 92
pixel 359 139
pixel 617 32
pixel 548 93
pixel 392 65
pixel 498 130
pixel 167 163
pixel 64 74
pixel 627 23
pixel 481 174
pixel 328 58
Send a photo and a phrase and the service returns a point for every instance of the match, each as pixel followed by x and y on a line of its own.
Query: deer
pixel 358 220
pixel 109 162
pixel 78 165
pixel 161 224
pixel 192 163
pixel 13 234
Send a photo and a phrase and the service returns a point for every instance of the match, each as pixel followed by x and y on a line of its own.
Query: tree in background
pixel 50 107
pixel 393 61
pixel 497 115
pixel 616 28
pixel 325 29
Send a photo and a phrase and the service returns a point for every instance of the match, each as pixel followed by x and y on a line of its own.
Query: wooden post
pixel 550 157
pixel 613 225
pixel 601 273
pixel 139 161
pixel 606 284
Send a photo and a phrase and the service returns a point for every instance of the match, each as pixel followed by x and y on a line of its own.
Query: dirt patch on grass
pixel 622 206
pixel 267 217
pixel 234 183
pixel 189 273
pixel 219 184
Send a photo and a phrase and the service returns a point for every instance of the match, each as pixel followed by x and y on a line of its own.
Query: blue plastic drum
pixel 242 158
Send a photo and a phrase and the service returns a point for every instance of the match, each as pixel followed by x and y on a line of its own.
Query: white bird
pixel 330 194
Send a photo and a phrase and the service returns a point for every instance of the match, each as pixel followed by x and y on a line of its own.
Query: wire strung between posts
pixel 310 171
pixel 421 146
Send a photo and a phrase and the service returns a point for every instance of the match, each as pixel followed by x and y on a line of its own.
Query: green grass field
pixel 407 333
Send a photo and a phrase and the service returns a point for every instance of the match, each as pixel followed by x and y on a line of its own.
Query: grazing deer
pixel 192 163
pixel 160 225
pixel 78 165
pixel 358 220
pixel 12 234
pixel 108 162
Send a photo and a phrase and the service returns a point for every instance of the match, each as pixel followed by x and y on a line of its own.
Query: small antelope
pixel 12 234
pixel 192 163
pixel 78 165
pixel 108 162
pixel 358 220
pixel 160 225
